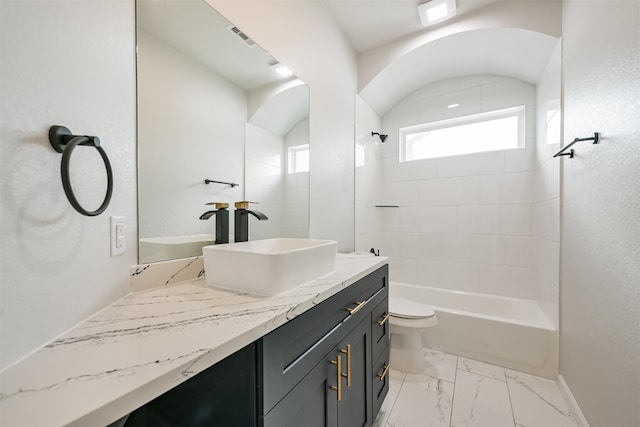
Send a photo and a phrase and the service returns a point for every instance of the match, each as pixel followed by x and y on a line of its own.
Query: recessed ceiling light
pixel 282 70
pixel 453 105
pixel 435 11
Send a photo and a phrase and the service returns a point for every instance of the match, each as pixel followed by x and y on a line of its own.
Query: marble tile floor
pixel 458 392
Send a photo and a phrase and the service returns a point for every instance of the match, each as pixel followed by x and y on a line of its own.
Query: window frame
pixel 292 150
pixel 518 111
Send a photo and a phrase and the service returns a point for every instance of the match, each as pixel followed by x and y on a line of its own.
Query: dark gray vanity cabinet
pixel 326 367
pixel 304 354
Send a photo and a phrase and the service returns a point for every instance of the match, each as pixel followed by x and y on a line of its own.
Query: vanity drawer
pixel 379 328
pixel 293 349
pixel 380 379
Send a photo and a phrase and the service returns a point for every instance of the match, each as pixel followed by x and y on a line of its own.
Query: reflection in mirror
pixel 212 105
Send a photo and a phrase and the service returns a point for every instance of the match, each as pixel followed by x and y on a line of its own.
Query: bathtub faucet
pixel 373 251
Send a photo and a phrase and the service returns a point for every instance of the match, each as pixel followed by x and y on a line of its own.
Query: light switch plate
pixel 118 241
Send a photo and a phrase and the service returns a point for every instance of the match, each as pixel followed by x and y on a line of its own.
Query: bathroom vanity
pixel 326 367
pixel 261 358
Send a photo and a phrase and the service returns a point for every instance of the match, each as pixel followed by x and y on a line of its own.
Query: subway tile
pixel 507 92
pixel 545 219
pixel 479 249
pixel 409 219
pixel 399 193
pixel 507 188
pixel 494 219
pixel 518 282
pixel 435 108
pixel 438 219
pixel 520 251
pixel 522 159
pixel 471 164
pixel 389 219
pixel 394 170
pixel 392 244
pixel 450 191
pixel 401 269
pixel 462 276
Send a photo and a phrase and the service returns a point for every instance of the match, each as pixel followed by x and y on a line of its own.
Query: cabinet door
pixel 355 409
pixel 312 402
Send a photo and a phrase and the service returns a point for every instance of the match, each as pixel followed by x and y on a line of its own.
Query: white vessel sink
pixel 268 267
pixel 170 247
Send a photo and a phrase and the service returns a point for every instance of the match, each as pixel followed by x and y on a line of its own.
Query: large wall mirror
pixel 214 105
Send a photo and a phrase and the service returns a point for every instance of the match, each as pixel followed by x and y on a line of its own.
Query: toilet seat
pixel 407 309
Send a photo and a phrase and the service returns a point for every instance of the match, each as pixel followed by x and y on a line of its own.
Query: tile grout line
pixel 393 405
pixel 513 413
pixel 453 392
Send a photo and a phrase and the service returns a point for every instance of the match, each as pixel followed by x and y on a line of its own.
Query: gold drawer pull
pixel 338 388
pixel 348 353
pixel 357 308
pixel 384 374
pixel 382 321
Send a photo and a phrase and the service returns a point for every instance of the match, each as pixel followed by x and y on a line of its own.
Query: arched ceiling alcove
pixel 280 111
pixel 511 52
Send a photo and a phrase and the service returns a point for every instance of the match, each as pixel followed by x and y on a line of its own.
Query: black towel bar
pixel 231 184
pixel 595 138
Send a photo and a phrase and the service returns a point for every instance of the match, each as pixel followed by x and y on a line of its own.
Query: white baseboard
pixel 576 412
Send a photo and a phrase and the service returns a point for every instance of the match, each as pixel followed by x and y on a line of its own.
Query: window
pixel 298 158
pixel 495 130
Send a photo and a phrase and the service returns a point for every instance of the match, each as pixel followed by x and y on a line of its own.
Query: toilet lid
pixel 408 309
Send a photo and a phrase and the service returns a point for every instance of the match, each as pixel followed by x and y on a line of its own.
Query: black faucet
pixel 222 221
pixel 241 225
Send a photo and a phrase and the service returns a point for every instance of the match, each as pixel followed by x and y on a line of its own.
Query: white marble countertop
pixel 148 342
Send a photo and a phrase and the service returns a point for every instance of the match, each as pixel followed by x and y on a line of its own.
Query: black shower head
pixel 382 136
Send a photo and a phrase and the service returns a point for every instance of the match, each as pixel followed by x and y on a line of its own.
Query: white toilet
pixel 408 320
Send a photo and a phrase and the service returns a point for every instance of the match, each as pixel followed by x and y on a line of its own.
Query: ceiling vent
pixel 245 38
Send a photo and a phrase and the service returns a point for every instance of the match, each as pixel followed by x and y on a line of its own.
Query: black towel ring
pixel 64 142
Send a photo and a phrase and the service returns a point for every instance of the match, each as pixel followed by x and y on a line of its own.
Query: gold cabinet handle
pixel 338 388
pixel 384 373
pixel 382 321
pixel 357 308
pixel 348 353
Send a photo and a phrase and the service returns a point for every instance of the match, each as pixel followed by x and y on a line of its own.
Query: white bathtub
pixel 504 331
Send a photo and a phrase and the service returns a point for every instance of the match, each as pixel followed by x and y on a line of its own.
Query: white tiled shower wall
pixel 484 222
pixel 283 197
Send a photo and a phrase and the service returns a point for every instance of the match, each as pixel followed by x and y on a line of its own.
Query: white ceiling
pixel 371 23
pixel 516 53
pixel 195 28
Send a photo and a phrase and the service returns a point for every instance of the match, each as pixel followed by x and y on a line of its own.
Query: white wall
pixel 182 103
pixel 464 222
pixel 305 36
pixel 600 268
pixel 69 63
